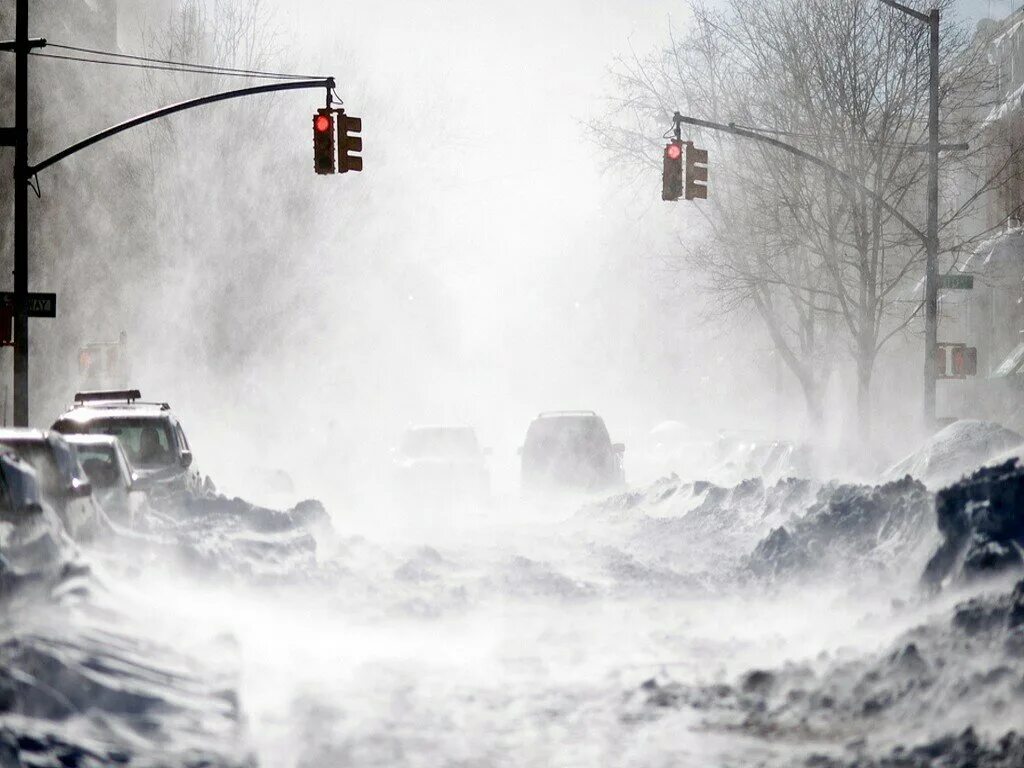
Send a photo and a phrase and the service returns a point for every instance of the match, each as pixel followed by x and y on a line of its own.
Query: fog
pixel 487 264
pixel 763 588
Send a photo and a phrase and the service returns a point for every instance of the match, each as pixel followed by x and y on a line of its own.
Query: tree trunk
pixel 865 369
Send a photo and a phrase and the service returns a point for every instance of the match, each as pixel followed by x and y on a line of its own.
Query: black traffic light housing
pixel 672 171
pixel 696 172
pixel 323 142
pixel 347 143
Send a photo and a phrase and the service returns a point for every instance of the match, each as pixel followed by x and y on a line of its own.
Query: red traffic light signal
pixel 672 171
pixel 323 142
pixel 6 327
pixel 965 361
pixel 347 144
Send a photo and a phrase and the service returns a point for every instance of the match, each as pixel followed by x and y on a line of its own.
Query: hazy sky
pixel 518 270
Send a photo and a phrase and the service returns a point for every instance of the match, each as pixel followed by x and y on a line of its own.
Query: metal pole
pixel 21 215
pixel 931 280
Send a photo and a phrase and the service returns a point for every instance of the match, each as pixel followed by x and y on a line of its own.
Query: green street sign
pixel 956 282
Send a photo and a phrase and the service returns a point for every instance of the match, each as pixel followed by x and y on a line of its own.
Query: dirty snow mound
pixel 871 530
pixel 960 670
pixel 982 523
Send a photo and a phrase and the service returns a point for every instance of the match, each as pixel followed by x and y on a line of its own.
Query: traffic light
pixel 323 142
pixel 672 171
pixel 6 326
pixel 348 144
pixel 965 361
pixel 696 172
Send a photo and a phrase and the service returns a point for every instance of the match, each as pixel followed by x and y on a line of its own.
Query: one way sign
pixel 39 304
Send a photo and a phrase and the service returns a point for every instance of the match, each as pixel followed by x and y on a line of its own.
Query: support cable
pixel 163 68
pixel 188 64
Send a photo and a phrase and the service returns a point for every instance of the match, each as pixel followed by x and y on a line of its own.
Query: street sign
pixel 956 282
pixel 39 304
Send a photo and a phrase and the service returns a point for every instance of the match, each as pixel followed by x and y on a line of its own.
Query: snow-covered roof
pixel 1010 105
pixel 1000 252
pixel 1003 38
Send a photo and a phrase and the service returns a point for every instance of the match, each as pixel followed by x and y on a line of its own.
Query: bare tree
pixel 847 81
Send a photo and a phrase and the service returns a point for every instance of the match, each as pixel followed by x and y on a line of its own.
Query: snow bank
pixel 690 527
pixel 955 451
pixel 216 535
pixel 901 704
pixel 982 523
pixel 868 529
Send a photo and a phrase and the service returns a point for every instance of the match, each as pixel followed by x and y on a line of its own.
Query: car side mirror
pixel 186 459
pixel 619 448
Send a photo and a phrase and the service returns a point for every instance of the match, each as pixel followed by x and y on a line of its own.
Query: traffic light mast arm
pixel 297 85
pixel 679 120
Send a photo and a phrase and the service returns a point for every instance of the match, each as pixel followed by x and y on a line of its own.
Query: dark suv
pixel 570 450
pixel 150 435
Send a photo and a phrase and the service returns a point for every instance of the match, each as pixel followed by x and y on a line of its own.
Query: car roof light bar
pixel 112 395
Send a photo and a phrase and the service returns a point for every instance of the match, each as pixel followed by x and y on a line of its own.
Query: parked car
pixel 62 481
pixel 570 450
pixel 441 464
pixel 114 482
pixel 33 540
pixel 150 434
pixel 19 489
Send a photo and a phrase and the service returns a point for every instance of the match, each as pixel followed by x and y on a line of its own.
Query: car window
pixel 579 436
pixel 182 442
pixel 40 458
pixel 441 442
pixel 146 441
pixel 100 463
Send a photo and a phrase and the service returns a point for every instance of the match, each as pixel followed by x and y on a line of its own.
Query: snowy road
pixel 674 626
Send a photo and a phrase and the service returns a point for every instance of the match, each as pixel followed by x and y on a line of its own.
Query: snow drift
pixel 955 451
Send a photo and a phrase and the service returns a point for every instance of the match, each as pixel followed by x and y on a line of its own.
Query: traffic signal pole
pixel 21 49
pixel 931 269
pixel 680 119
pixel 24 172
pixel 931 281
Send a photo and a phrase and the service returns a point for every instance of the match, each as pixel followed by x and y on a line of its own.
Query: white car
pixel 114 482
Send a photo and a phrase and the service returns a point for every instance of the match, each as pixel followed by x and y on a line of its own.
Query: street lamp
pixel 931 272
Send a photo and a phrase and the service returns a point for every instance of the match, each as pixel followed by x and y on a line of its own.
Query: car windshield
pixel 440 442
pixel 585 436
pixel 146 441
pixel 100 464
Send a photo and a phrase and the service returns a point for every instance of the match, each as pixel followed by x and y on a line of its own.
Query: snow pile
pixel 949 691
pixel 37 557
pixel 92 696
pixel 690 527
pixel 215 535
pixel 955 451
pixel 80 685
pixel 962 668
pixel 871 530
pixel 789 529
pixel 982 524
